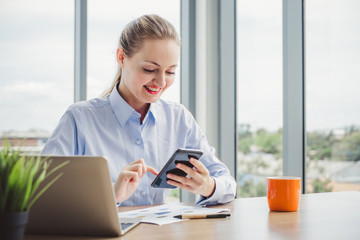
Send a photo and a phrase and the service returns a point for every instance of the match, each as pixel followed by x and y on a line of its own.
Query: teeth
pixel 153 89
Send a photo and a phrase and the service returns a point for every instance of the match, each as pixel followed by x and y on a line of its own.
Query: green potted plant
pixel 20 179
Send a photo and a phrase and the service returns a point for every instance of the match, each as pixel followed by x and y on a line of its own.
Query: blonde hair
pixel 137 32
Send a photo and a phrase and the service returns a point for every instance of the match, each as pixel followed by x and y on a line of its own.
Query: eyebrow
pixel 155 63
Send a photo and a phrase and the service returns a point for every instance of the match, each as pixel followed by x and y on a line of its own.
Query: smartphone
pixel 182 155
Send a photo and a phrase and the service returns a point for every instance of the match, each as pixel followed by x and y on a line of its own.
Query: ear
pixel 120 57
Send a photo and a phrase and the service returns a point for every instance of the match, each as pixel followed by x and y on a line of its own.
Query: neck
pixel 141 108
pixel 143 111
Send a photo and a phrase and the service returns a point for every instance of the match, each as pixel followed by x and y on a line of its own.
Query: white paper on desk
pixel 164 214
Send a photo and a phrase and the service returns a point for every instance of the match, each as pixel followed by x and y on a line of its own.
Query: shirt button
pixel 142 193
pixel 138 142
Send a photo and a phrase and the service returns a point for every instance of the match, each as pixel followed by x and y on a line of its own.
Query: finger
pixel 193 181
pixel 136 168
pixel 152 170
pixel 130 176
pixel 188 170
pixel 143 164
pixel 198 165
pixel 174 183
pixel 177 178
pixel 140 161
pixel 179 185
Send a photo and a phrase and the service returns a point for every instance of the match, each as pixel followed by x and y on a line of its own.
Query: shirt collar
pixel 152 112
pixel 121 108
pixel 123 111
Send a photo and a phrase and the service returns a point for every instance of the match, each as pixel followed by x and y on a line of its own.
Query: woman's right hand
pixel 129 179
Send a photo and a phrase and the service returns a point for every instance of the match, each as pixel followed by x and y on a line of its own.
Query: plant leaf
pixel 21 178
pixel 43 190
pixel 28 180
pixel 56 168
pixel 14 184
pixel 38 180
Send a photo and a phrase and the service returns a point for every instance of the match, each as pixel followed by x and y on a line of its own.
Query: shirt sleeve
pixel 64 139
pixel 225 184
pixel 225 189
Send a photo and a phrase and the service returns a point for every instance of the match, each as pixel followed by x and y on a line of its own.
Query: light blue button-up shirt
pixel 110 127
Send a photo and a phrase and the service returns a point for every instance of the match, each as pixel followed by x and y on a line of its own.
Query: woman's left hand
pixel 197 181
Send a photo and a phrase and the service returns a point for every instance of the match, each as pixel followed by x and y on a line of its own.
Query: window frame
pixel 294 135
pixel 222 129
pixel 80 48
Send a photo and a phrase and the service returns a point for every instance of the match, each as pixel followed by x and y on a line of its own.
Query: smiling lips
pixel 152 90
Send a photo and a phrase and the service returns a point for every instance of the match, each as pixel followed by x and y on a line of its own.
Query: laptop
pixel 80 202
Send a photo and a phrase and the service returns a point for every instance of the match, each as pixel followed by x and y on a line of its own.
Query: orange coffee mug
pixel 283 193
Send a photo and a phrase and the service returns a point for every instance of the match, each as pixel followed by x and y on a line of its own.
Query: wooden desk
pixel 320 216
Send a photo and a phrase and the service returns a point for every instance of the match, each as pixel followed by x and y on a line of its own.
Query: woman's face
pixel 148 73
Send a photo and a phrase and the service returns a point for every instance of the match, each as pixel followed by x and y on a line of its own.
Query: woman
pixel 137 131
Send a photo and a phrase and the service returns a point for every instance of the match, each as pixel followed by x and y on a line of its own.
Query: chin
pixel 150 99
pixel 154 100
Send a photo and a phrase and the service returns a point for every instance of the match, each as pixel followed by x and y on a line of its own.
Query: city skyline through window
pixel 332 95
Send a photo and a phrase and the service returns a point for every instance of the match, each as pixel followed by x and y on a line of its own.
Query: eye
pixel 171 73
pixel 148 70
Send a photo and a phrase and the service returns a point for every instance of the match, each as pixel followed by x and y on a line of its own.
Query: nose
pixel 160 79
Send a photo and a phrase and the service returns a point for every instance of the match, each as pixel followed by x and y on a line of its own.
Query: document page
pixel 164 214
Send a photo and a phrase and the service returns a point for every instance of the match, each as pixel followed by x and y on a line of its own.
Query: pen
pixel 200 216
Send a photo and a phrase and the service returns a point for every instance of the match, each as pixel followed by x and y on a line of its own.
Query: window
pixel 106 20
pixel 332 93
pixel 36 68
pixel 259 94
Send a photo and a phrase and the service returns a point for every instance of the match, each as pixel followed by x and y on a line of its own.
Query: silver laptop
pixel 81 202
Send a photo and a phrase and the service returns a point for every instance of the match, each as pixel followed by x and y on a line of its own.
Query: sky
pixel 37 55
pixel 37 51
pixel 332 60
